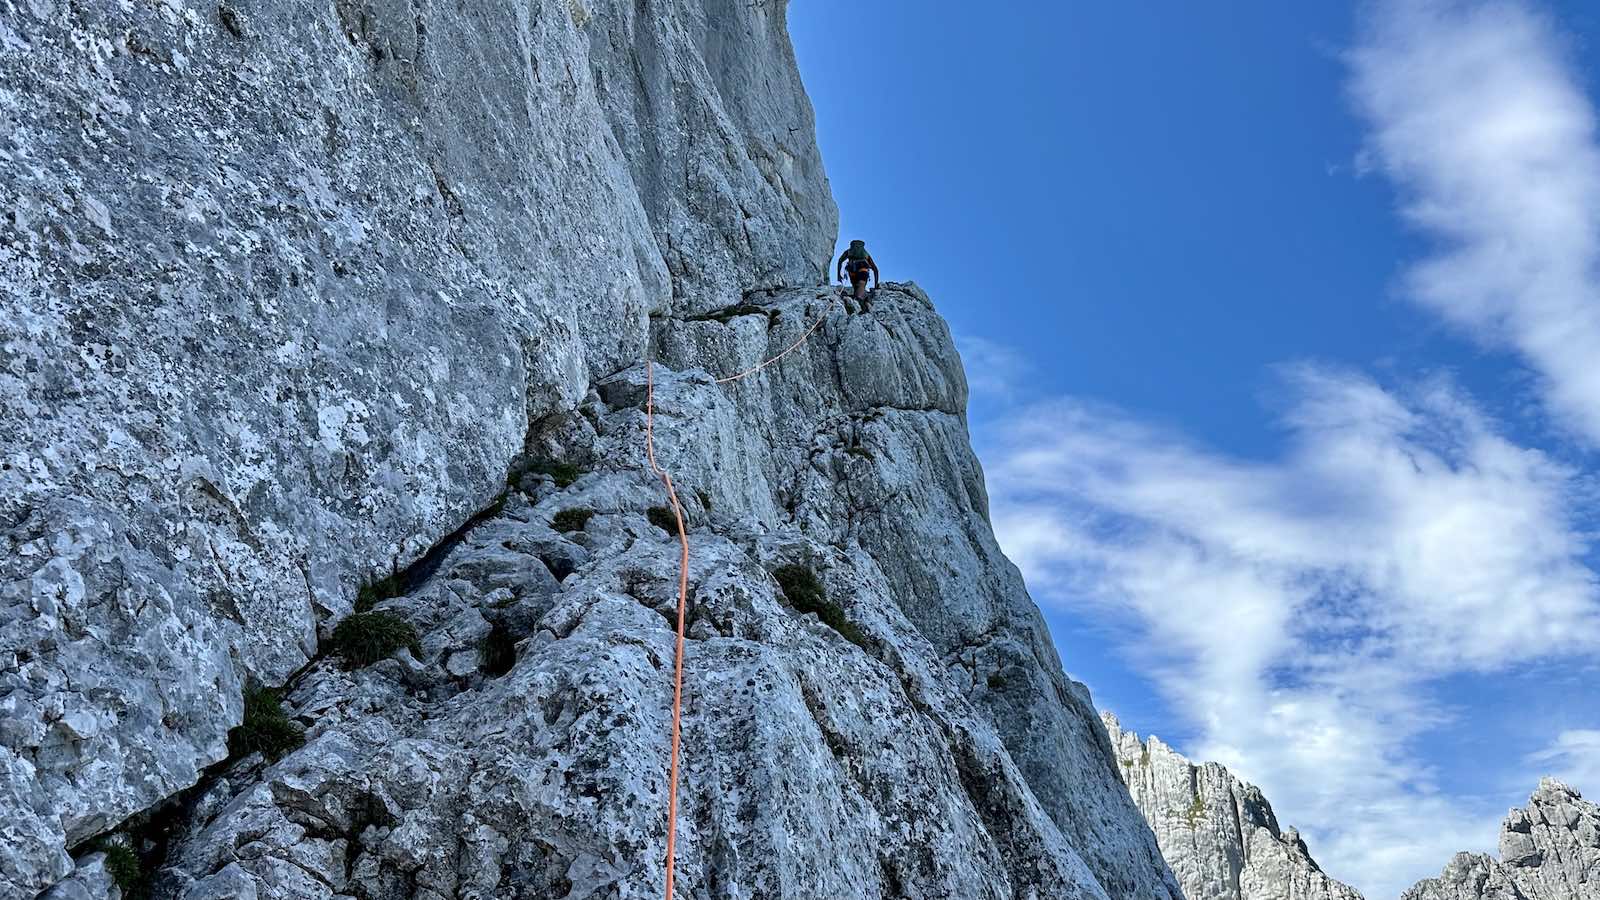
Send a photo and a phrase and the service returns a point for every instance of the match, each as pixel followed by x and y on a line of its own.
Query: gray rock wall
pixel 282 284
pixel 1549 850
pixel 1218 833
pixel 287 288
pixel 886 396
pixel 841 754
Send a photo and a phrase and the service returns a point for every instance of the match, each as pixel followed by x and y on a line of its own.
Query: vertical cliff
pixel 283 283
pixel 324 326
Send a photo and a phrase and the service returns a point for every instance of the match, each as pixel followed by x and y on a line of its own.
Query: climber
pixel 857 262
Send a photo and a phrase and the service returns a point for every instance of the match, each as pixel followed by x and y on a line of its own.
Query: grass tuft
pixel 562 473
pixel 575 519
pixel 266 729
pixel 364 638
pixel 496 506
pixel 805 593
pixel 374 592
pixel 124 867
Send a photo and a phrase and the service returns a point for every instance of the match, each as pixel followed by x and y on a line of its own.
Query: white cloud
pixel 1297 609
pixel 994 371
pixel 1303 611
pixel 1480 122
pixel 1574 757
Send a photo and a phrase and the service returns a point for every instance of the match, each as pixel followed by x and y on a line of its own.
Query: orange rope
pixel 683 595
pixel 683 578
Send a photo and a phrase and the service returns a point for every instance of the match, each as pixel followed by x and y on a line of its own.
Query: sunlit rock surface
pixel 877 752
pixel 282 284
pixel 1549 850
pixel 299 296
pixel 1218 833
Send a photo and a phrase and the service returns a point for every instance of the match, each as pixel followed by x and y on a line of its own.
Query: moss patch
pixel 662 518
pixel 266 729
pixel 800 587
pixel 574 519
pixel 862 452
pixel 562 473
pixel 1192 814
pixel 805 593
pixel 996 681
pixel 364 638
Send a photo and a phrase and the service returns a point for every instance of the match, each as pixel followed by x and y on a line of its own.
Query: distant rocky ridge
pixel 1549 850
pixel 1217 833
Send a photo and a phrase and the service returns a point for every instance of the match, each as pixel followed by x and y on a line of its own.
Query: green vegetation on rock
pixel 364 638
pixel 265 729
pixel 663 518
pixel 574 519
pixel 805 593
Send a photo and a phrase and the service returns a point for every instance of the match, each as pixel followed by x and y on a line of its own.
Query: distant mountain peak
pixel 1549 850
pixel 1218 833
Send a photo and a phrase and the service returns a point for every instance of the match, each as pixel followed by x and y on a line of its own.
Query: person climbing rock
pixel 857 262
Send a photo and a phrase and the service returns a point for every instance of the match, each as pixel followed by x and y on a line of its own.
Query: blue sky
pixel 1279 325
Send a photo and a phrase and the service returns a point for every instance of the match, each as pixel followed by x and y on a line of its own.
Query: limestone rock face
pixel 1217 833
pixel 872 747
pixel 297 296
pixel 282 284
pixel 1549 850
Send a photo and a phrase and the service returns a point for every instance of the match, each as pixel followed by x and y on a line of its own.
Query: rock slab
pixel 865 746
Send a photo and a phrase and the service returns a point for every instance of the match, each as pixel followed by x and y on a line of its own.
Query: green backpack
pixel 857 251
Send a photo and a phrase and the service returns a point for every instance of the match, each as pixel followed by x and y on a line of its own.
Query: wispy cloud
pixel 1304 611
pixel 995 372
pixel 1298 609
pixel 1573 757
pixel 1480 122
